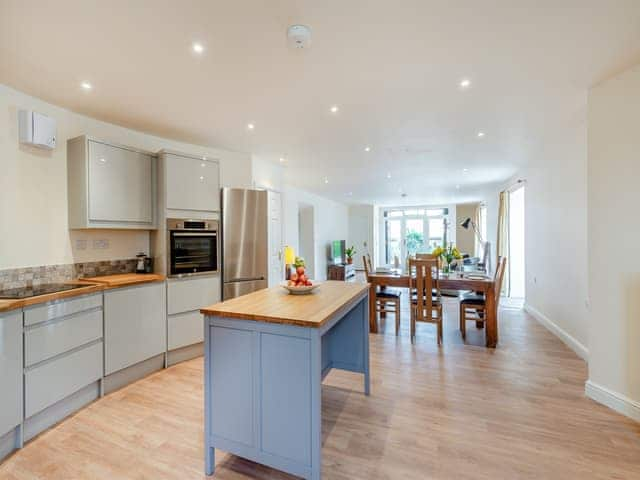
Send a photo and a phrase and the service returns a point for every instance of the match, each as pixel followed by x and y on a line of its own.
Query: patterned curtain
pixel 502 247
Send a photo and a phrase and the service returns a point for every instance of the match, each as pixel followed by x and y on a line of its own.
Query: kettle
pixel 142 263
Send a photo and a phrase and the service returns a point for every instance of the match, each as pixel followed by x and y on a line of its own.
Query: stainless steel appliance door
pixel 244 234
pixel 236 289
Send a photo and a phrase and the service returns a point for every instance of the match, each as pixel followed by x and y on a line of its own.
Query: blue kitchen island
pixel 266 354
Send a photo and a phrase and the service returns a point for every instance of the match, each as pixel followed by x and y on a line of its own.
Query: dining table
pixel 452 281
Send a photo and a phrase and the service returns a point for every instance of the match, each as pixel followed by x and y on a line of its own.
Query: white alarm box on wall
pixel 36 129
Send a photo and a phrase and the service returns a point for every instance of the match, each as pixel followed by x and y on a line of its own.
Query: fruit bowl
pixel 302 290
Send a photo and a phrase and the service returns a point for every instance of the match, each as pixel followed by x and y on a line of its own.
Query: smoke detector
pixel 299 36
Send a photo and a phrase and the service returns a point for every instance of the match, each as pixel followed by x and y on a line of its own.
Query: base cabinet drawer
pixel 51 382
pixel 185 329
pixel 187 294
pixel 51 339
pixel 61 308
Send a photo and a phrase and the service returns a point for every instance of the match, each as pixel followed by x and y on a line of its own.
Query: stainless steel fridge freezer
pixel 245 241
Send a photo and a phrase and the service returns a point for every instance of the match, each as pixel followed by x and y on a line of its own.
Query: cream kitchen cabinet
pixel 10 372
pixel 135 325
pixel 190 183
pixel 110 186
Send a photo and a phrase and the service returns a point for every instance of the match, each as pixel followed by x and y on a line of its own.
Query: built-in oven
pixel 192 247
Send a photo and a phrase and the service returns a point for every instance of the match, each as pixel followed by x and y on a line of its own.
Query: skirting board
pixel 567 339
pixel 613 400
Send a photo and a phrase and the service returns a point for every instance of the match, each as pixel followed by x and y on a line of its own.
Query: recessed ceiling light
pixel 86 86
pixel 326 180
pixel 465 83
pixel 203 165
pixel 334 109
pixel 367 149
pixel 250 126
pixel 389 175
pixel 197 47
pixel 282 159
pixel 465 170
pixel 480 134
pixel 201 178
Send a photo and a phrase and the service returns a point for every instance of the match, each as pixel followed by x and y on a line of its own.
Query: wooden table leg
pixel 491 318
pixel 373 323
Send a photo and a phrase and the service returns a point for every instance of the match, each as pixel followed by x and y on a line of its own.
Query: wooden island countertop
pixel 276 305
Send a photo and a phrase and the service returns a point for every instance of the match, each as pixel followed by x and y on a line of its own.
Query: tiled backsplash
pixel 30 276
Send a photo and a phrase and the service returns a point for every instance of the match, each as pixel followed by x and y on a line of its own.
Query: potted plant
pixel 448 254
pixel 350 252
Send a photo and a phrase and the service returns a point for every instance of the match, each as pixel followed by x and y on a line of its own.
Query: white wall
pixel 330 223
pixel 33 187
pixel 614 237
pixel 361 236
pixel 555 232
pixel 465 238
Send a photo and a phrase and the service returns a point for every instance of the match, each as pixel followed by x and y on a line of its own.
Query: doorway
pixel 306 237
pixel 516 263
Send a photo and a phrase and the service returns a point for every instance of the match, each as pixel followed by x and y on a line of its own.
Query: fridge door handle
pixel 245 279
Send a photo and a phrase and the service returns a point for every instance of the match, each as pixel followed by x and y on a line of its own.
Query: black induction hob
pixel 26 292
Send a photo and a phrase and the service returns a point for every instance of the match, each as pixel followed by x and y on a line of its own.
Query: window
pixel 407 231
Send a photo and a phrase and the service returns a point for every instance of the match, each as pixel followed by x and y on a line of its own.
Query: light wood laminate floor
pixel 456 412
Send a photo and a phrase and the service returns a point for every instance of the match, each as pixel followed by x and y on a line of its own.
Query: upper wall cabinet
pixel 110 186
pixel 190 183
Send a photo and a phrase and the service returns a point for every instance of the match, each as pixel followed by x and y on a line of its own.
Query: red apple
pixel 302 278
pixel 294 277
pixel 308 283
pixel 300 270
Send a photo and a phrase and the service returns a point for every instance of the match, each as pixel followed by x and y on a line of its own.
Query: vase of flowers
pixel 448 254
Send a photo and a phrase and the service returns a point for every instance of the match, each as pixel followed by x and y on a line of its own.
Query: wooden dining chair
pixel 473 305
pixel 387 299
pixel 425 307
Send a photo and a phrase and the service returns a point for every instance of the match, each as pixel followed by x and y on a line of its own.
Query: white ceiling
pixel 393 67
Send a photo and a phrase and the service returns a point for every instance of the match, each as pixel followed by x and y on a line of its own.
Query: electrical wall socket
pixel 101 244
pixel 81 244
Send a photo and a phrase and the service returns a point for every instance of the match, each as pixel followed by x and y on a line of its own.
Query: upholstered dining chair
pixel 425 307
pixel 473 305
pixel 387 299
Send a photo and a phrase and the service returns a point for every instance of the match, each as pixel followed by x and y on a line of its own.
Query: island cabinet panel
pixel 285 398
pixel 232 402
pixel 10 371
pixel 134 325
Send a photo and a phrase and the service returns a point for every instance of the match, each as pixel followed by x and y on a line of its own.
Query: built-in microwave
pixel 192 247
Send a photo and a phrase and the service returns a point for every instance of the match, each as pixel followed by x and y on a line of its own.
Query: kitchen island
pixel 266 354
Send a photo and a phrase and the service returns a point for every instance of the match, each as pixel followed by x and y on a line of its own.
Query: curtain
pixel 502 247
pixel 477 219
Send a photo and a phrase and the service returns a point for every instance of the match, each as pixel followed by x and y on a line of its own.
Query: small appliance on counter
pixel 144 264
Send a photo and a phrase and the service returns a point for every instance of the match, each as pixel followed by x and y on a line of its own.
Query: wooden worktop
pixel 275 305
pixel 93 284
pixel 9 304
pixel 124 279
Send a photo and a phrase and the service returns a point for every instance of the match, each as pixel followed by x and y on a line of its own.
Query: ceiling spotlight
pixel 389 175
pixel 86 86
pixel 250 126
pixel 480 134
pixel 326 180
pixel 465 83
pixel 282 159
pixel 465 170
pixel 367 149
pixel 334 109
pixel 203 165
pixel 197 47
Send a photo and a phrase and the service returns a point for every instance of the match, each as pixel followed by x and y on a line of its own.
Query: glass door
pixel 414 236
